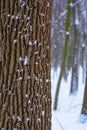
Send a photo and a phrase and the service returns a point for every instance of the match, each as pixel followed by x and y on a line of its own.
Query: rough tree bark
pixel 25 88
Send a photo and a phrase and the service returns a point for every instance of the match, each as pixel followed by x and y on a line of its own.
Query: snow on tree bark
pixel 25 88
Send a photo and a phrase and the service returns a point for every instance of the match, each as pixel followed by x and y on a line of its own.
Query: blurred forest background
pixel 69 43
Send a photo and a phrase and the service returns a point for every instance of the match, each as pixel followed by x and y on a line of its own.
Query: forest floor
pixel 67 116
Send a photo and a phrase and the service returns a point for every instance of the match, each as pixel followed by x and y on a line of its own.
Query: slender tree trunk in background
pixel 84 106
pixel 84 45
pixel 58 31
pixel 84 34
pixel 25 88
pixel 64 54
pixel 74 79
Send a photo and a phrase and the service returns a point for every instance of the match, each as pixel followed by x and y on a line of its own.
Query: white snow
pixel 21 1
pixel 19 119
pixel 39 119
pixel 35 42
pixel 19 70
pixel 36 52
pixel 8 15
pixel 36 63
pixel 12 17
pixel 28 119
pixel 26 95
pixel 20 58
pixel 67 116
pixel 30 43
pixel 71 4
pixel 17 16
pixel 47 80
pixel 25 60
pixel 20 78
pixel 31 28
pixel 29 76
pixel 43 113
pixel 67 33
pixel 76 18
pixel 28 18
pixel 42 14
pixel 29 101
pixel 14 41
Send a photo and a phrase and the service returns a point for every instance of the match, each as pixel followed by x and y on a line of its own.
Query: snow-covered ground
pixel 67 116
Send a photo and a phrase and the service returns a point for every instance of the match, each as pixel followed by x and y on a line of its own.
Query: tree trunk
pixel 25 88
pixel 84 106
pixel 64 54
pixel 76 43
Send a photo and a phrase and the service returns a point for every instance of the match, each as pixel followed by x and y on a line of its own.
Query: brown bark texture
pixel 25 88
